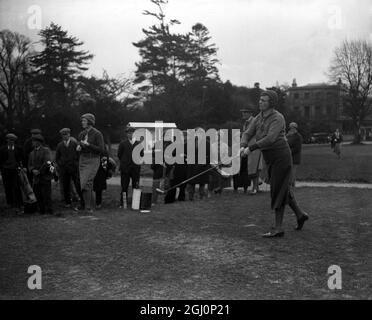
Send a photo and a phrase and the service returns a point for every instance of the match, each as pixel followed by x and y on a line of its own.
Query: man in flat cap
pixel 11 157
pixel 67 159
pixel 128 169
pixel 294 139
pixel 27 148
pixel 39 164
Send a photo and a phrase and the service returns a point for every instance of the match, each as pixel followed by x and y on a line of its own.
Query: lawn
pixel 319 163
pixel 208 249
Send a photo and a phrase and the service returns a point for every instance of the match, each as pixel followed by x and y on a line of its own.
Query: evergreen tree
pixel 57 67
pixel 202 55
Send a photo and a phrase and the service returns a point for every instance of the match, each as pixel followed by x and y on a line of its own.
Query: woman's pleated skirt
pixel 279 169
pixel 88 168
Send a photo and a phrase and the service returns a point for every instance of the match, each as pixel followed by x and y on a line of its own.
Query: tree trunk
pixel 10 119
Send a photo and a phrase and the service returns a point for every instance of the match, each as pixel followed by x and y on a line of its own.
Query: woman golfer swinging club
pixel 268 128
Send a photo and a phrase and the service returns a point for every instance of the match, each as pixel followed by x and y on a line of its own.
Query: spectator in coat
pixel 336 141
pixel 67 159
pixel 177 173
pixel 241 179
pixel 194 168
pixel 39 164
pixel 11 157
pixel 129 170
pixel 294 139
pixel 158 174
pixel 27 148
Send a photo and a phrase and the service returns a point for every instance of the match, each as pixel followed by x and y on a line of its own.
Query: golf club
pixel 213 166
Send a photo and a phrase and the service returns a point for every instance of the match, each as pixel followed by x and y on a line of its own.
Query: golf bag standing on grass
pixel 28 195
pixel 105 171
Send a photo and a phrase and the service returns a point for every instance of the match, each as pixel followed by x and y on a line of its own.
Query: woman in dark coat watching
pixel 105 171
pixel 269 130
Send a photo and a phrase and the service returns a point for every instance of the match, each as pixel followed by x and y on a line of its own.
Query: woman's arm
pixel 248 134
pixel 275 128
pixel 97 145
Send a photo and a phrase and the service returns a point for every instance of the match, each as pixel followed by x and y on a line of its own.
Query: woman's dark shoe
pixel 301 221
pixel 273 234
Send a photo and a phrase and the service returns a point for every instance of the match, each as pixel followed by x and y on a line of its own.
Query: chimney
pixel 294 83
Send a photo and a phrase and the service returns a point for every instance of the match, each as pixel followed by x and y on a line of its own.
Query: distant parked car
pixel 320 137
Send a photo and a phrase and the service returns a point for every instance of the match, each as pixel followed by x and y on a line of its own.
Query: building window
pixel 317 111
pixel 297 110
pixel 296 95
pixel 329 110
pixel 307 112
pixel 307 95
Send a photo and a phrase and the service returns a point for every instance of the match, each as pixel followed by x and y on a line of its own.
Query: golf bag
pixel 28 195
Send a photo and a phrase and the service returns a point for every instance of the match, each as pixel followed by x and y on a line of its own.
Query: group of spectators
pixel 80 165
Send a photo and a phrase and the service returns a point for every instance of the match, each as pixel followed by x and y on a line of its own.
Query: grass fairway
pixel 319 163
pixel 208 249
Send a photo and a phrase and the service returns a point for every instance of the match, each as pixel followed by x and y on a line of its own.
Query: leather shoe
pixel 273 234
pixel 301 221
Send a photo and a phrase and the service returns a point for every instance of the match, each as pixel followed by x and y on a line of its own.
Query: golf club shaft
pixel 197 175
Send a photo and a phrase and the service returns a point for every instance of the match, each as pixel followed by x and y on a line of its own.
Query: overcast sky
pixel 258 40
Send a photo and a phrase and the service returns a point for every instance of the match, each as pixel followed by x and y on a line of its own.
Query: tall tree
pixel 15 51
pixel 107 98
pixel 202 55
pixel 58 67
pixel 158 51
pixel 352 64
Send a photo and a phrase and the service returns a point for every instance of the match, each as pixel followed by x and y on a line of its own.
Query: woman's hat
pixel 273 97
pixel 90 118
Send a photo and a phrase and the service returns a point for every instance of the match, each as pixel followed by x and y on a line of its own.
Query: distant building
pixel 323 102
pixel 317 102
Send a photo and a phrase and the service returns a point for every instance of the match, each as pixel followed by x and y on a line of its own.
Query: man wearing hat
pixel 39 164
pixel 294 139
pixel 11 157
pixel 67 159
pixel 27 148
pixel 128 169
